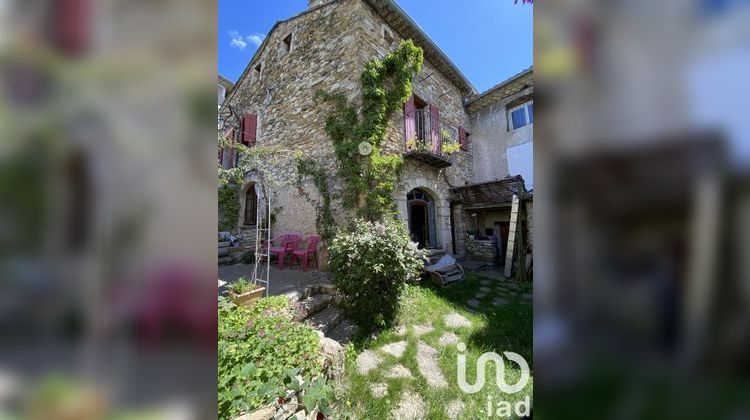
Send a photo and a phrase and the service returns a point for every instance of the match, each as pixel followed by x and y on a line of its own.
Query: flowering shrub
pixel 370 264
pixel 260 353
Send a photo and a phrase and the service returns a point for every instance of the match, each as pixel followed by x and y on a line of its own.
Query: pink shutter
pixel 410 129
pixel 435 129
pixel 72 25
pixel 249 127
pixel 462 138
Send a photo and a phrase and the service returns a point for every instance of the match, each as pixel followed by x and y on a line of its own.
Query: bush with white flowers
pixel 370 264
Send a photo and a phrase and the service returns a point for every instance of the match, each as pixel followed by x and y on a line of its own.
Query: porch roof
pixel 489 194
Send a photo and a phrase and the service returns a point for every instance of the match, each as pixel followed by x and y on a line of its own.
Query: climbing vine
pixel 231 179
pixel 324 221
pixel 369 179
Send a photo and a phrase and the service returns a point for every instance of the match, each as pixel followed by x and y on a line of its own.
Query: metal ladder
pixel 261 271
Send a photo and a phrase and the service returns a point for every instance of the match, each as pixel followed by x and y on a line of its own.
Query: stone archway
pixel 422 218
pixel 252 188
pixel 438 194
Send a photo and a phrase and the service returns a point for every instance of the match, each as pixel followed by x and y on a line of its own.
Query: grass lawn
pixel 507 327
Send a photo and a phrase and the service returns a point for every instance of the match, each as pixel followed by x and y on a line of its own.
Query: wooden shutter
pixel 435 129
pixel 410 129
pixel 249 128
pixel 462 138
pixel 72 25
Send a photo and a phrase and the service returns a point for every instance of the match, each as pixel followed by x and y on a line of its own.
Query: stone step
pixel 326 320
pixel 311 306
pixel 225 260
pixel 344 332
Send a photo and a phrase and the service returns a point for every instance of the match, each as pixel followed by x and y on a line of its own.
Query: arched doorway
pixel 421 208
pixel 251 206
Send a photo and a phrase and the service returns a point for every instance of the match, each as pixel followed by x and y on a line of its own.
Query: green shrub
pixel 370 264
pixel 240 286
pixel 260 353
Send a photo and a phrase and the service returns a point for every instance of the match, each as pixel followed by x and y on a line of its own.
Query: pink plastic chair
pixel 310 249
pixel 288 243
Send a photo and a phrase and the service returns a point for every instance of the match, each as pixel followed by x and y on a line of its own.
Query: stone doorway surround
pixel 438 190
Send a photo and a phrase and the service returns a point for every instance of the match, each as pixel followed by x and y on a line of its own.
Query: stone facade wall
pixel 330 46
pixel 491 137
pixel 282 95
pixel 434 88
pixel 480 250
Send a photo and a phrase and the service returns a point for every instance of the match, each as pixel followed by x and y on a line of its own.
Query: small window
pixel 521 115
pixel 287 43
pixel 259 71
pixel 388 35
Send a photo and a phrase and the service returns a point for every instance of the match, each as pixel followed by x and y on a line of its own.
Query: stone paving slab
pixel 367 361
pixel 411 407
pixel 499 302
pixel 420 330
pixel 453 409
pixel 398 371
pixel 427 361
pixel 394 349
pixel 456 320
pixel 447 339
pixel 379 390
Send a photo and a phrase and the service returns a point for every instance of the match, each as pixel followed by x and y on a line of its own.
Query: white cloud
pixel 256 39
pixel 240 42
pixel 237 40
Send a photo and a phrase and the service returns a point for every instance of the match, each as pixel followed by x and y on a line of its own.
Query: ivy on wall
pixel 230 180
pixel 369 179
pixel 324 221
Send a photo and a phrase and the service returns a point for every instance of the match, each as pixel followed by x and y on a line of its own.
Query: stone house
pixel 325 48
pixel 501 123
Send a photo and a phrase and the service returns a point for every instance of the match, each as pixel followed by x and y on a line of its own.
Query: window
pixel 287 43
pixel 251 206
pixel 259 71
pixel 522 115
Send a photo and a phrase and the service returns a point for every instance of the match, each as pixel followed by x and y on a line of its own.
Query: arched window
pixel 251 206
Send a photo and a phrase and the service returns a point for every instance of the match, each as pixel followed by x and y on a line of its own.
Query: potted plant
pixel 225 239
pixel 244 292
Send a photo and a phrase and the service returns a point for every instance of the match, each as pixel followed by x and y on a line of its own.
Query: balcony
pixel 428 145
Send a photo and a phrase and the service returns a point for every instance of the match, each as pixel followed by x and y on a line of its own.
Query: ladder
pixel 261 270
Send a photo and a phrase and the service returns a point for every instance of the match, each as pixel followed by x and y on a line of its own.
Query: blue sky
pixel 489 40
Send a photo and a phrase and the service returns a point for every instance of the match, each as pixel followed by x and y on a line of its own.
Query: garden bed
pixel 268 362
